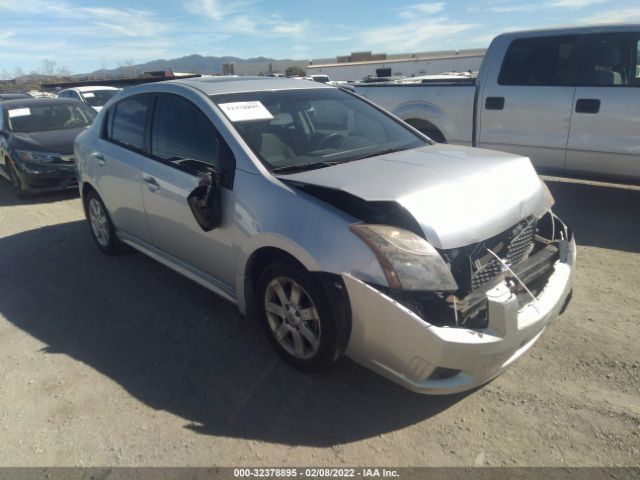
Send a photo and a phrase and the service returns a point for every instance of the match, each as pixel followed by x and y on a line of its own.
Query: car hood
pixel 458 195
pixel 55 141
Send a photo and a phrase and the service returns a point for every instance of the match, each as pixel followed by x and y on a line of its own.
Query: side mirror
pixel 206 201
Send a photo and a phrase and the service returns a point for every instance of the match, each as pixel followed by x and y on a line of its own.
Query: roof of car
pixel 573 30
pixel 91 88
pixel 30 102
pixel 221 85
pixel 13 96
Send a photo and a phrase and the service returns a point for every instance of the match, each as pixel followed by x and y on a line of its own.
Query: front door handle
pixel 100 158
pixel 152 183
pixel 588 105
pixel 494 103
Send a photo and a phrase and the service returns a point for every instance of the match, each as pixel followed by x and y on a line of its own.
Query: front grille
pixel 511 246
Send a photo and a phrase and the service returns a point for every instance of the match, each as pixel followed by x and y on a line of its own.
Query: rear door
pixel 605 124
pixel 526 104
pixel 184 144
pixel 118 158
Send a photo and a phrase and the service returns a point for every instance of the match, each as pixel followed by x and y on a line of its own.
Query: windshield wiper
pixel 302 166
pixel 381 152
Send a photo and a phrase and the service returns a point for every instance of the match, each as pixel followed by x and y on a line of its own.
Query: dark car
pixel 36 142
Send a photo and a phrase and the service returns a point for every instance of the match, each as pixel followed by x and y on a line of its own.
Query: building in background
pixel 361 65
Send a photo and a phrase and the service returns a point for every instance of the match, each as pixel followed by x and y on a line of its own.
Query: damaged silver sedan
pixel 343 230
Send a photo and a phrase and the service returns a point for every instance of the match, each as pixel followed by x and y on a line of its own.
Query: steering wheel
pixel 331 140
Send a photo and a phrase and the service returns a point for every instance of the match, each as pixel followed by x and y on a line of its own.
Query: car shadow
pixel 9 199
pixel 601 215
pixel 177 347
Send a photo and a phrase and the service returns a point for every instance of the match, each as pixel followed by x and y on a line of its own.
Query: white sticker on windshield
pixel 88 94
pixel 243 111
pixel 19 112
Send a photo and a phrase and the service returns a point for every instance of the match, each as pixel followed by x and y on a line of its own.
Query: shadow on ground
pixel 603 216
pixel 9 199
pixel 176 347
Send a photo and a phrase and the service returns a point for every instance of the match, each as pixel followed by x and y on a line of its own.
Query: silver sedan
pixel 340 228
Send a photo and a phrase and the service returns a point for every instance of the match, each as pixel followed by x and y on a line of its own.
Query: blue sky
pixel 87 35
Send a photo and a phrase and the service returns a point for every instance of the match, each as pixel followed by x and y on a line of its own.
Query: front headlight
pixel 409 262
pixel 36 157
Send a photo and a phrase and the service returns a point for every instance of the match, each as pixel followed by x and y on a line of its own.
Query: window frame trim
pixel 110 118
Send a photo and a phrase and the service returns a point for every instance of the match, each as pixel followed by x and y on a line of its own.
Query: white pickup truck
pixel 569 99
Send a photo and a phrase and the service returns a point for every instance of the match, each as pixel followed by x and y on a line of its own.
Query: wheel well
pixel 428 128
pixel 86 188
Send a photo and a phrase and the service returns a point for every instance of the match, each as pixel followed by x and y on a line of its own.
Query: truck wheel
pixel 297 318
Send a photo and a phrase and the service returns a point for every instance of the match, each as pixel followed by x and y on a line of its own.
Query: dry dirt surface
pixel 120 361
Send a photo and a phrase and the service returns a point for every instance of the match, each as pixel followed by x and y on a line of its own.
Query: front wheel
pixel 16 183
pixel 297 318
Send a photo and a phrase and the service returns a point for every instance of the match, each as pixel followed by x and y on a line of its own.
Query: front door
pixel 605 125
pixel 526 104
pixel 184 146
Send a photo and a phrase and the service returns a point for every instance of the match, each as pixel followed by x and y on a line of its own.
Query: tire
pixel 301 331
pixel 16 183
pixel 102 229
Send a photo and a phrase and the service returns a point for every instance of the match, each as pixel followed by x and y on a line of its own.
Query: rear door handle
pixel 100 158
pixel 494 103
pixel 588 105
pixel 152 183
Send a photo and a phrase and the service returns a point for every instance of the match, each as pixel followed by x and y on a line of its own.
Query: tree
pixel 294 71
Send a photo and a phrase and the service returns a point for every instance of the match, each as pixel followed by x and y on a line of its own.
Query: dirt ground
pixel 120 361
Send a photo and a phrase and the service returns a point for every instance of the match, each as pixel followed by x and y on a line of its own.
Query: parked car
pixel 566 98
pixel 94 96
pixel 339 227
pixel 36 142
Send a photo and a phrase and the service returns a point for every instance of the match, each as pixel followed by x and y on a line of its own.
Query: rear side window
pixel 541 61
pixel 127 122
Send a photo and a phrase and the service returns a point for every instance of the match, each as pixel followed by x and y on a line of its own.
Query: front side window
pixel 128 121
pixel 181 131
pixel 612 60
pixel 45 117
pixel 542 61
pixel 310 128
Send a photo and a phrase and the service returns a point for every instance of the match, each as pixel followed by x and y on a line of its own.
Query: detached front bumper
pixel 395 342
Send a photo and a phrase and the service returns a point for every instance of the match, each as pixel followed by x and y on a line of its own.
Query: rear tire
pixel 102 229
pixel 296 317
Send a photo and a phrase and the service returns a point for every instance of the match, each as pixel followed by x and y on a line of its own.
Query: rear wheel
pixel 297 317
pixel 102 228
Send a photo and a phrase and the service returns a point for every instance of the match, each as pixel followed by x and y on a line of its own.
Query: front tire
pixel 102 229
pixel 297 318
pixel 16 183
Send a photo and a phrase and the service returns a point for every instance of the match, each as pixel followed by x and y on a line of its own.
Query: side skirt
pixel 201 278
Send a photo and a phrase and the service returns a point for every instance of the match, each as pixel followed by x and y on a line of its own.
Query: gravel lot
pixel 120 361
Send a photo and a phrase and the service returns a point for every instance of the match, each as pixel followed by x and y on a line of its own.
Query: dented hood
pixel 458 195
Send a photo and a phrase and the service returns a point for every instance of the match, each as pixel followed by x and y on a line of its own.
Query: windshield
pixel 97 98
pixel 39 118
pixel 309 128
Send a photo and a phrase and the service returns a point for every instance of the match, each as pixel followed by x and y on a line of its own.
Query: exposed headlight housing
pixel 37 157
pixel 409 262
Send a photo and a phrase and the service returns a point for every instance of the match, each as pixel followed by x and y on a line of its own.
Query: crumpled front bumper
pixel 395 342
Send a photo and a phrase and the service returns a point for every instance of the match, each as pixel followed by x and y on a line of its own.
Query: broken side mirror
pixel 206 200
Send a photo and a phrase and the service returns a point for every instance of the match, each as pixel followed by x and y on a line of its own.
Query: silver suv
pixel 339 227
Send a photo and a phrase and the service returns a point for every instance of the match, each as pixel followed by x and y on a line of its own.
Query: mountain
pixel 188 63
